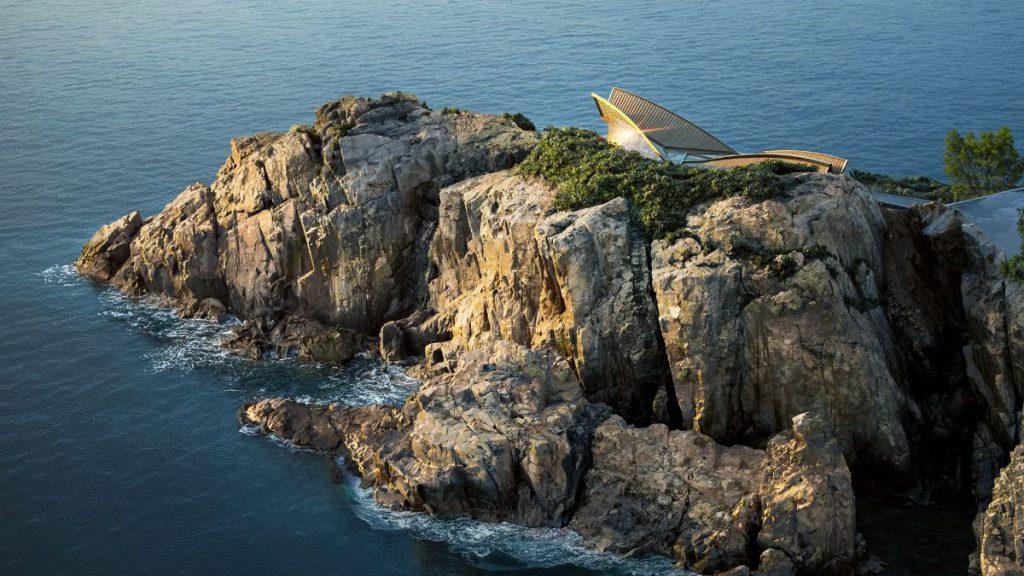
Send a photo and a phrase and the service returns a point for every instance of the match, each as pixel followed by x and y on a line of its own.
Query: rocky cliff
pixel 713 395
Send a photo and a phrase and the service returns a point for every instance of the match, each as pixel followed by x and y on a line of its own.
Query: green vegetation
pixel 303 129
pixel 1013 267
pixel 913 186
pixel 520 120
pixel 451 110
pixel 983 164
pixel 779 262
pixel 588 171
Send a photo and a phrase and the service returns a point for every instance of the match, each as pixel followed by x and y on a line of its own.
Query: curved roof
pixel 838 165
pixel 739 160
pixel 610 111
pixel 666 127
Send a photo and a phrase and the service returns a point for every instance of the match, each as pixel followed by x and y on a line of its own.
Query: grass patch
pixel 588 171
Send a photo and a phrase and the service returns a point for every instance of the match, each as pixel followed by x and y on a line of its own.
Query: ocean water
pixel 119 449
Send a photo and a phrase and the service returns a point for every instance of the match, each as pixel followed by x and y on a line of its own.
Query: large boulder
pixel 714 508
pixel 676 493
pixel 1000 527
pixel 109 248
pixel 807 501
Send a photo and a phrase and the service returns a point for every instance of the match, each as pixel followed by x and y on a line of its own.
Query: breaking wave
pixel 503 546
pixel 183 345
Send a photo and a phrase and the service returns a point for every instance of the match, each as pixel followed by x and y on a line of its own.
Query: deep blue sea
pixel 119 449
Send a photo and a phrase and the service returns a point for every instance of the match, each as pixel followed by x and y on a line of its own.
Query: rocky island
pixel 718 386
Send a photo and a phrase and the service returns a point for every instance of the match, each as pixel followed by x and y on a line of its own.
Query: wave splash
pixel 502 546
pixel 188 345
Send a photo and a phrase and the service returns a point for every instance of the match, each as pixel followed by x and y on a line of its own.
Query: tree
pixel 982 165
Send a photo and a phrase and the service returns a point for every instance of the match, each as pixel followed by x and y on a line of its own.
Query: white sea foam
pixel 479 541
pixel 191 345
pixel 61 275
pixel 184 345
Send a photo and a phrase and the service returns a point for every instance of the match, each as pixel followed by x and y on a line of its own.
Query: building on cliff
pixel 642 126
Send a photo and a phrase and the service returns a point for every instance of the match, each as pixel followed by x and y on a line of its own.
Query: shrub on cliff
pixel 520 120
pixel 912 186
pixel 983 164
pixel 587 171
pixel 1013 267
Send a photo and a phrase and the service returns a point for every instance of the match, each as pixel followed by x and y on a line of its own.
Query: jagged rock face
pixel 770 309
pixel 676 493
pixel 807 501
pixel 712 507
pixel 1000 527
pixel 175 252
pixel 327 222
pixel 508 268
pixel 958 330
pixel 896 327
pixel 509 436
pixel 109 248
pixel 504 437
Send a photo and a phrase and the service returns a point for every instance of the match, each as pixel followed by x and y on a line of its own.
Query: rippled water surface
pixel 119 449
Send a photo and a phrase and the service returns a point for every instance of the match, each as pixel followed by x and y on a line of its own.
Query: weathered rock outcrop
pixel 676 493
pixel 896 327
pixel 509 436
pixel 1000 527
pixel 807 501
pixel 771 309
pixel 770 348
pixel 109 248
pixel 958 328
pixel 508 268
pixel 506 436
pixel 328 223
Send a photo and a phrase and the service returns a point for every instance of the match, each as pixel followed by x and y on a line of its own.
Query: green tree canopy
pixel 982 165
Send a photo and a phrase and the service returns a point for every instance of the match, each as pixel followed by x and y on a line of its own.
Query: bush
pixel 451 110
pixel 982 165
pixel 520 120
pixel 587 171
pixel 913 186
pixel 1013 267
